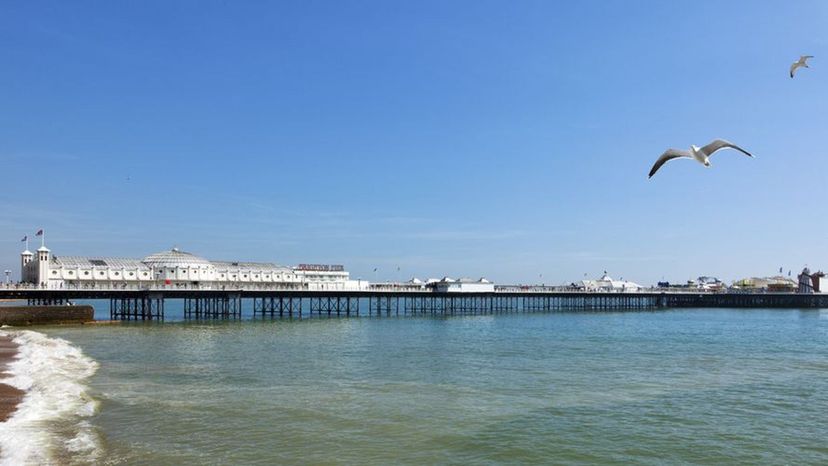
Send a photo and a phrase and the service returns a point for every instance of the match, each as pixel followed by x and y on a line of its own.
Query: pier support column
pixel 147 307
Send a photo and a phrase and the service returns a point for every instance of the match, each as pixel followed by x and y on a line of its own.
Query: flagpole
pixel 43 239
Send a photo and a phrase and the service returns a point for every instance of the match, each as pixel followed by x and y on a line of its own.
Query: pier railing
pixel 235 304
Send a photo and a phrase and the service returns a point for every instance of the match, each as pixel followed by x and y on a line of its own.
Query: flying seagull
pixel 802 62
pixel 700 154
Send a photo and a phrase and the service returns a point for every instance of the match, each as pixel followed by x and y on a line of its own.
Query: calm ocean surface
pixel 688 386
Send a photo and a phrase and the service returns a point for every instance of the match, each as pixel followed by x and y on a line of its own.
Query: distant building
pixel 811 282
pixel 462 285
pixel 710 284
pixel 774 284
pixel 175 269
pixel 702 283
pixel 608 284
pixel 788 286
pixel 415 283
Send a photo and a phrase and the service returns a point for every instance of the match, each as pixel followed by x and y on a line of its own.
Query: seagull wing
pixel 803 61
pixel 719 144
pixel 670 154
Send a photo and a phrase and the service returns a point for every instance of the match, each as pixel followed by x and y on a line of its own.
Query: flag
pixel 375 269
pixel 780 269
pixel 25 238
pixel 39 232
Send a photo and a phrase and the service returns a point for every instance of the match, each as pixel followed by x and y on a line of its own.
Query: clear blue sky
pixel 505 139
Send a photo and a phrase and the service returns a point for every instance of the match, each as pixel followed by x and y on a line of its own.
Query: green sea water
pixel 672 387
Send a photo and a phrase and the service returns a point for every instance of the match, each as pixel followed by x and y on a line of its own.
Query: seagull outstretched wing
pixel 719 144
pixel 803 61
pixel 670 154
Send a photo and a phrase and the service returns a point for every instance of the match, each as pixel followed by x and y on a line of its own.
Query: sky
pixel 504 139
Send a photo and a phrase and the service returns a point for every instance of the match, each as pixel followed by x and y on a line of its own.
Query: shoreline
pixel 10 397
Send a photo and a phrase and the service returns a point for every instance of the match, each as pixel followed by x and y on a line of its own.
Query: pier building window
pixel 86 273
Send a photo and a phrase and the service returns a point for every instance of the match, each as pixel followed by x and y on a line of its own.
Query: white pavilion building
pixel 176 269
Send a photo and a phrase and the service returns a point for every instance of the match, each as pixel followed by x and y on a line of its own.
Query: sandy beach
pixel 10 397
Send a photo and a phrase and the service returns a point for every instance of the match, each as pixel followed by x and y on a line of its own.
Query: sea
pixel 690 386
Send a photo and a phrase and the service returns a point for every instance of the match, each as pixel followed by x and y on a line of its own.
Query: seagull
pixel 700 154
pixel 802 62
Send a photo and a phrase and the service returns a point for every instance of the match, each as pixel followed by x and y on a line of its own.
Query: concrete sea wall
pixel 41 315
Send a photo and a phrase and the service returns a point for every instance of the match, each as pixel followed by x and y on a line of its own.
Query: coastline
pixel 44 387
pixel 10 397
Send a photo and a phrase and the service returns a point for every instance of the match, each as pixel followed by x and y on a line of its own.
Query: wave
pixel 51 423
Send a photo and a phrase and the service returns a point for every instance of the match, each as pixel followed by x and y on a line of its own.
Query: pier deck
pixel 229 304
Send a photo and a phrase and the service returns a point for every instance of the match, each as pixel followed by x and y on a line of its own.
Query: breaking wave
pixel 51 424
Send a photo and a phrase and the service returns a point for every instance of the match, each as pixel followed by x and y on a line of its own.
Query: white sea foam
pixel 50 422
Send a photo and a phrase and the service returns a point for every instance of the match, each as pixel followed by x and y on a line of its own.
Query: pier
pixel 148 305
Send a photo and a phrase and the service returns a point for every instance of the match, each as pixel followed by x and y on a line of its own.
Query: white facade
pixel 175 269
pixel 608 284
pixel 463 285
pixel 26 257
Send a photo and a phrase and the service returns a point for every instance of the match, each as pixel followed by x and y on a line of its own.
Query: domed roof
pixel 175 258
